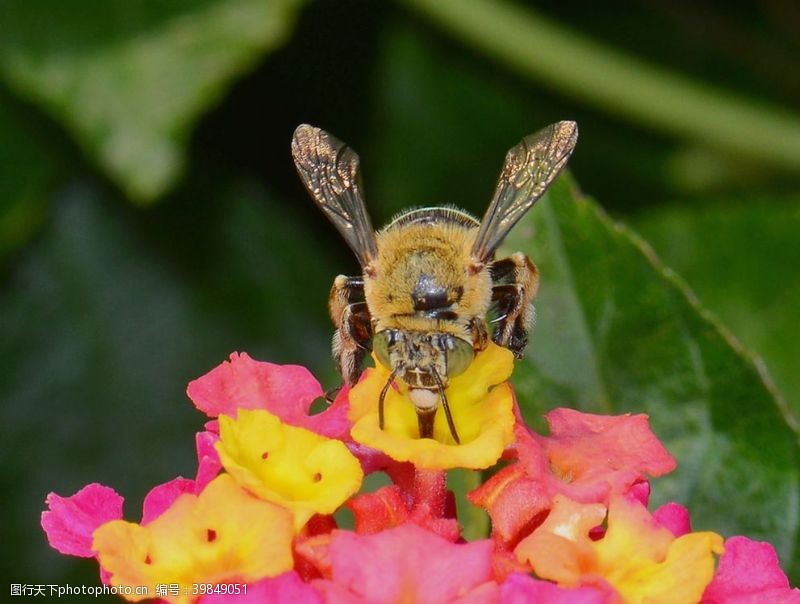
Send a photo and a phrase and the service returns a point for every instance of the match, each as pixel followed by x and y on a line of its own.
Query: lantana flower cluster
pixel 569 510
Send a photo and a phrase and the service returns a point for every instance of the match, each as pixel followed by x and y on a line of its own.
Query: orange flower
pixel 640 559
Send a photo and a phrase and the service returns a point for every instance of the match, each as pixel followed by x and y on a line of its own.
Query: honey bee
pixel 429 278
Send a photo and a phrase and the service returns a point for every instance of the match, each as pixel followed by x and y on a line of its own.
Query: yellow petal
pixel 294 467
pixel 224 534
pixel 681 577
pixel 633 535
pixel 645 562
pixel 481 403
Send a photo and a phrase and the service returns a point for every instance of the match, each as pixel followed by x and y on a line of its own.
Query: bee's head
pixel 423 359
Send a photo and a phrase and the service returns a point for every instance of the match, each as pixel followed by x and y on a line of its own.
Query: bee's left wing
pixel 330 171
pixel 529 169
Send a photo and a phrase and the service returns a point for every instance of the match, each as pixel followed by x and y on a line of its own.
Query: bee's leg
pixel 382 397
pixel 516 281
pixel 478 333
pixel 350 315
pixel 344 291
pixel 449 416
pixel 351 342
pixel 450 423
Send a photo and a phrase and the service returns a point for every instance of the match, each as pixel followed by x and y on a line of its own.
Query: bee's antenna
pixel 388 383
pixel 451 424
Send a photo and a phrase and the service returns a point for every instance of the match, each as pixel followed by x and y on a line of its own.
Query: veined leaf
pixel 741 259
pixel 617 332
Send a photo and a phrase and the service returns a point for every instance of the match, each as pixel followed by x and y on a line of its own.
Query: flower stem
pixel 430 488
pixel 619 83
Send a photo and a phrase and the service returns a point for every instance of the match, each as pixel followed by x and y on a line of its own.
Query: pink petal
pixel 286 588
pixel 379 510
pixel 406 563
pixel 70 521
pixel 284 390
pixel 673 517
pixel 371 459
pixel 515 502
pixel 242 383
pixel 333 421
pixel 749 573
pixel 522 589
pixel 640 491
pixel 587 457
pixel 161 497
pixel 578 440
pixel 208 462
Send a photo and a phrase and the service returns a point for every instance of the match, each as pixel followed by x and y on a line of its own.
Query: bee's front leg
pixel 516 280
pixel 351 340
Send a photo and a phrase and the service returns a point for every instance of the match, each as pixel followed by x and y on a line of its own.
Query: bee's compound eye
pixel 380 346
pixel 459 356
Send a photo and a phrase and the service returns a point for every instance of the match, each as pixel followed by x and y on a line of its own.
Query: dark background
pixel 114 294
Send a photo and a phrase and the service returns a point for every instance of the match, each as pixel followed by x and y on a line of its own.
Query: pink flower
pixel 523 589
pixel 288 588
pixel 286 391
pixel 587 457
pixel 70 521
pixel 593 456
pixel 636 556
pixel 749 573
pixel 407 564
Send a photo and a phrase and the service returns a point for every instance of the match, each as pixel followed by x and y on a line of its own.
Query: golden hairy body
pixel 436 254
pixel 430 277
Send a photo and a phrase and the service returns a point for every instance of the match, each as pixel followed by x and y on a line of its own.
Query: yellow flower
pixel 223 534
pixel 294 467
pixel 482 405
pixel 638 557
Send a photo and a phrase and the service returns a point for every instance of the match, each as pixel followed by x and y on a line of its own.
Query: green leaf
pixel 130 79
pixel 740 257
pixel 617 332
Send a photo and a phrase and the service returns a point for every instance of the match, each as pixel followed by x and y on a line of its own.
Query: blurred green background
pixel 151 221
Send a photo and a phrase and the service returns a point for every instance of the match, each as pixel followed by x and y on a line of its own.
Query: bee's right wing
pixel 330 171
pixel 529 169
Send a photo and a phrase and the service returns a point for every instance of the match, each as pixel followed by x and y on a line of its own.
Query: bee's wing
pixel 529 169
pixel 330 171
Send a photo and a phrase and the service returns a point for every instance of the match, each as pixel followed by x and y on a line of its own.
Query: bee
pixel 430 277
